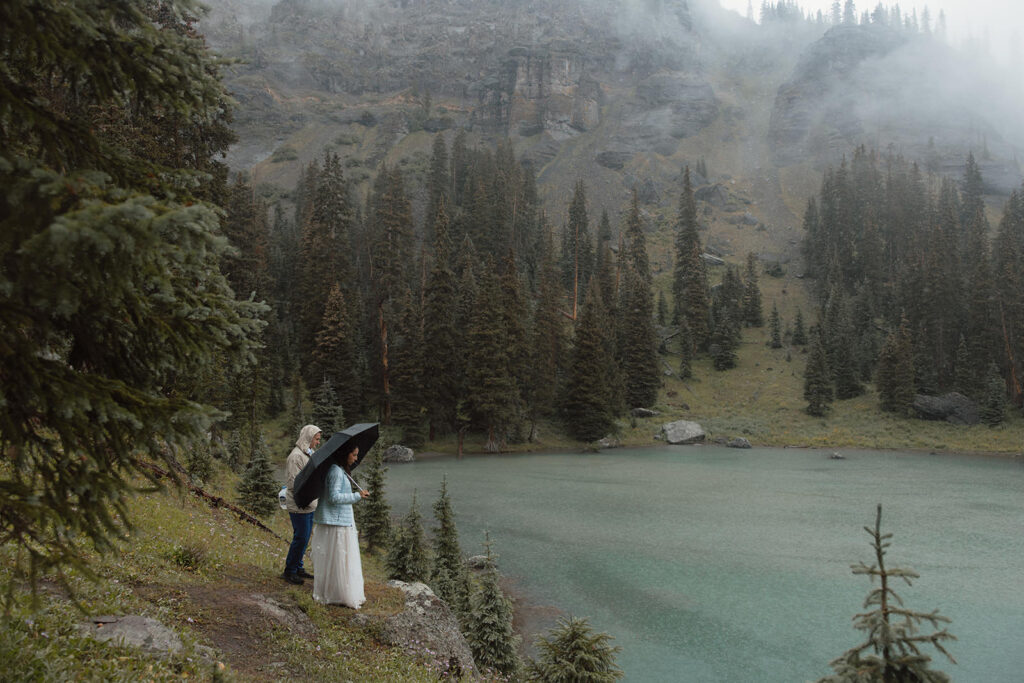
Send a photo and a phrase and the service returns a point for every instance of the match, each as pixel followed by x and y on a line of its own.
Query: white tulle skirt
pixel 338 571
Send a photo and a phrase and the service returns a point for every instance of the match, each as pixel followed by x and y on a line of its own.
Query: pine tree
pixel 407 373
pixel 775 328
pixel 407 556
pixel 236 454
pixel 587 401
pixel 111 115
pixel 547 339
pixel 892 649
pixel 993 409
pixel 439 334
pixel 577 251
pixel 257 489
pixel 326 409
pixel 817 377
pixel 438 185
pixel 446 575
pixel 725 340
pixel 637 341
pixel 799 333
pixel 336 356
pixel 490 388
pixel 691 301
pixel 753 316
pixel 374 513
pixel 572 652
pixel 489 623
pixel 895 374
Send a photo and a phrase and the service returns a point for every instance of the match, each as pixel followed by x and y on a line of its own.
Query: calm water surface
pixel 712 564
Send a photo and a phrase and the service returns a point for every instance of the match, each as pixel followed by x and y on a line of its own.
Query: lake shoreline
pixel 425 455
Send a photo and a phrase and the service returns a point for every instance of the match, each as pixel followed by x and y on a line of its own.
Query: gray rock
pixel 952 407
pixel 683 432
pixel 609 442
pixel 738 442
pixel 133 630
pixel 399 454
pixel 426 628
pixel 644 412
pixel 288 616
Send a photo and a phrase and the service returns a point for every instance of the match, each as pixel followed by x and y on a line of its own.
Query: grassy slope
pixel 197 570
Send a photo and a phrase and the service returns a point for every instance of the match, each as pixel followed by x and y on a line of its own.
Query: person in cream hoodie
pixel 302 518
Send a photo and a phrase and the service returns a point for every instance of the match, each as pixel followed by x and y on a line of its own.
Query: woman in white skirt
pixel 339 571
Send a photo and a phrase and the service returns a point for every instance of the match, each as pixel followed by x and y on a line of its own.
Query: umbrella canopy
pixel 309 483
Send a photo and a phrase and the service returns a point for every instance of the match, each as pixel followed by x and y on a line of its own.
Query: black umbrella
pixel 309 483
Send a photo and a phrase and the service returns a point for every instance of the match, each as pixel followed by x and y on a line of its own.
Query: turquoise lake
pixel 712 564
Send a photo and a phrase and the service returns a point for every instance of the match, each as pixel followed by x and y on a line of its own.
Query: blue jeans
pixel 302 528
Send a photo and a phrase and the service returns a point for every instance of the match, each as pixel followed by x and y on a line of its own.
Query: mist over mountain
pixel 620 93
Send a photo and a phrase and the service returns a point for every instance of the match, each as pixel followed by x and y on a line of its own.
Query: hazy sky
pixel 1002 18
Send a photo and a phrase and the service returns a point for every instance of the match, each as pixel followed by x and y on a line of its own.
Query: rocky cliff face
pixel 623 93
pixel 888 89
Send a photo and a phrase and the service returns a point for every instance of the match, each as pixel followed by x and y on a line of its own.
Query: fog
pixel 993 26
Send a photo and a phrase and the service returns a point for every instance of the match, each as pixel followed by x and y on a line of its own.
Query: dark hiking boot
pixel 303 574
pixel 292 578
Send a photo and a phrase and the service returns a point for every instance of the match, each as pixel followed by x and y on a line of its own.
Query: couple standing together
pixel 339 571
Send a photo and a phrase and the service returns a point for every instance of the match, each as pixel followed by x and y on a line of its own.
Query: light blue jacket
pixel 336 501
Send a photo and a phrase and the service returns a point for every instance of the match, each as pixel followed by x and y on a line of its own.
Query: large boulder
pixel 738 442
pixel 427 628
pixel 952 407
pixel 683 432
pixel 145 633
pixel 399 454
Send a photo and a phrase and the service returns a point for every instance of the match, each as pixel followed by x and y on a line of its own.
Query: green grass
pixel 185 563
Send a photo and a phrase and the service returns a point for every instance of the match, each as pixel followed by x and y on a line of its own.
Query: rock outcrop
pixel 398 454
pixel 426 627
pixel 953 407
pixel 683 432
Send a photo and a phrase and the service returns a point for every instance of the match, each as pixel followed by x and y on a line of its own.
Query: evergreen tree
pixel 587 402
pixel 407 555
pixel 489 623
pixel 892 649
pixel 199 462
pixel 439 334
pixel 799 333
pixel 236 454
pixel 637 341
pixel 438 186
pixel 547 338
pixel 374 513
pixel 993 409
pixel 490 388
pixel 446 575
pixel 257 489
pixel 324 248
pixel 725 340
pixel 407 373
pixel 113 116
pixel 691 300
pixel 573 653
pixel 513 312
pixel 775 328
pixel 326 409
pixel 817 377
pixel 604 269
pixel 895 374
pixel 753 316
pixel 577 251
pixel 336 356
